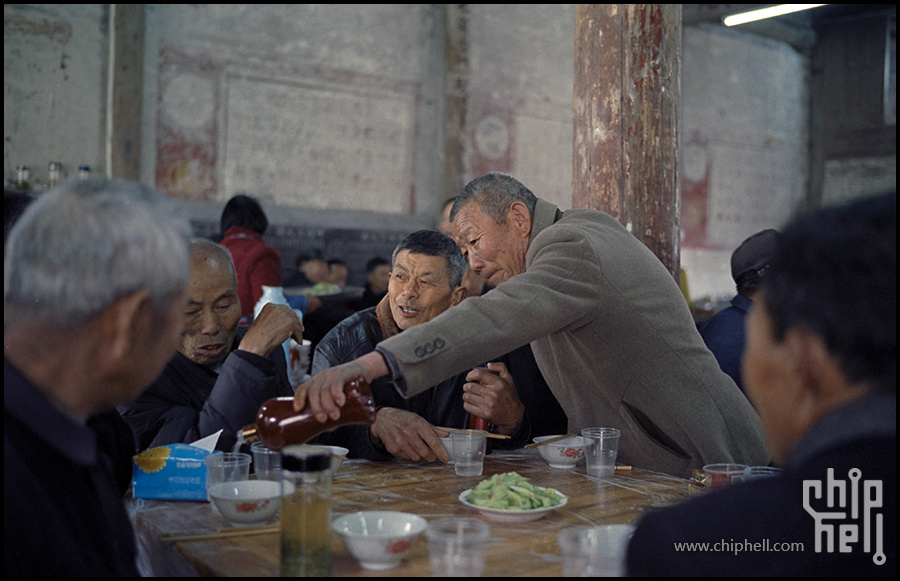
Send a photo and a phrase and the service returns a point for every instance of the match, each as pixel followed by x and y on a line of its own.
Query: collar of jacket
pixel 386 320
pixel 545 214
pixel 238 232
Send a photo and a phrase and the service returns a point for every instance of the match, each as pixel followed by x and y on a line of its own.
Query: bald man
pixel 218 379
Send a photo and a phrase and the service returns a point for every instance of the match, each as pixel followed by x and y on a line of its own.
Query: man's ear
pixel 520 217
pixel 823 384
pixel 457 295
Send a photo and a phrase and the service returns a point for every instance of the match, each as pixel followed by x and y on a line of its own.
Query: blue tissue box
pixel 174 472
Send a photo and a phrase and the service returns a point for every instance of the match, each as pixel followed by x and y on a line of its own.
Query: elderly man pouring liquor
pixel 609 328
pixel 425 280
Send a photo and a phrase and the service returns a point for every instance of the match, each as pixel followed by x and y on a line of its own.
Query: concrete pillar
pixel 627 92
pixel 457 17
pixel 125 91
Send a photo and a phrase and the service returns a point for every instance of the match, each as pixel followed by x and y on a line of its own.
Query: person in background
pixel 821 368
pixel 312 269
pixel 337 272
pixel 14 203
pixel 425 280
pixel 94 285
pixel 256 263
pixel 608 326
pixel 219 376
pixel 378 272
pixel 723 333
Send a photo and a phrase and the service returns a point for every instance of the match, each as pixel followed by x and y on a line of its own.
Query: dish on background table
pixel 513 515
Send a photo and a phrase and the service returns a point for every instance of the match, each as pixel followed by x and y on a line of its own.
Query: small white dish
pixel 379 538
pixel 246 502
pixel 564 454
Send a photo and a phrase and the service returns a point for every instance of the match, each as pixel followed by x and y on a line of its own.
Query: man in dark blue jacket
pixel 821 369
pixel 723 333
pixel 218 378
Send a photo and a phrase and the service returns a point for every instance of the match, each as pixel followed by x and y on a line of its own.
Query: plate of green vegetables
pixel 510 497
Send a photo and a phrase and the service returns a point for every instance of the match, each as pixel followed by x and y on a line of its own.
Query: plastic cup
pixel 597 551
pixel 722 474
pixel 469 447
pixel 756 472
pixel 226 467
pixel 601 446
pixel 456 546
pixel 266 462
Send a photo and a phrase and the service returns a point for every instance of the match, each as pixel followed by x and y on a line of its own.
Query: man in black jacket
pixel 821 367
pixel 425 280
pixel 218 379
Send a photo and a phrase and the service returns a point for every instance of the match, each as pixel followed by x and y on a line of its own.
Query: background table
pixel 429 490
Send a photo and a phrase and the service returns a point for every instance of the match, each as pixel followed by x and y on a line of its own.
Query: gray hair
pixel 495 192
pixel 433 243
pixel 85 244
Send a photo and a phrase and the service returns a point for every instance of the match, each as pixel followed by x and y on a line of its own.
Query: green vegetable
pixel 511 491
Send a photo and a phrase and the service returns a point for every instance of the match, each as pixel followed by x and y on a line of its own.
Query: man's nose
pixel 209 322
pixel 475 262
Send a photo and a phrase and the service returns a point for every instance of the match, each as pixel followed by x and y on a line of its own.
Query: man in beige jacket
pixel 608 325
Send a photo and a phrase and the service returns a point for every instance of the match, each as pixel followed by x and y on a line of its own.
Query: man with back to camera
pixel 218 377
pixel 821 368
pixel 723 333
pixel 425 280
pixel 608 325
pixel 94 286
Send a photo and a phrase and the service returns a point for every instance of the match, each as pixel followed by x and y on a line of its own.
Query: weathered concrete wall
pixel 54 87
pixel 335 116
pixel 743 143
pixel 520 95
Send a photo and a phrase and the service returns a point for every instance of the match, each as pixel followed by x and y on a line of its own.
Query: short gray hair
pixel 82 246
pixel 433 243
pixel 495 192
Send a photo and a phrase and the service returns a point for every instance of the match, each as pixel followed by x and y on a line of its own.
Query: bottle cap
pixel 305 458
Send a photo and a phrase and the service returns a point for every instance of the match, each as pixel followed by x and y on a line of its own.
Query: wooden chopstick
pixel 490 435
pixel 550 441
pixel 221 533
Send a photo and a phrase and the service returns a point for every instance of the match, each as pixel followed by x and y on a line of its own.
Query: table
pixel 429 490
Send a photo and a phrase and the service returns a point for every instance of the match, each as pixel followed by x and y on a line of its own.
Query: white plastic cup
pixel 601 446
pixel 597 551
pixel 266 462
pixel 469 447
pixel 456 546
pixel 226 467
pixel 756 472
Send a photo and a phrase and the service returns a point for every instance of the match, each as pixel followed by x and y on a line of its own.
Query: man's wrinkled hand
pixel 274 325
pixel 407 435
pixel 491 394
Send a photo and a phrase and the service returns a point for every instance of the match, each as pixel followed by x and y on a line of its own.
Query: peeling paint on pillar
pixel 627 87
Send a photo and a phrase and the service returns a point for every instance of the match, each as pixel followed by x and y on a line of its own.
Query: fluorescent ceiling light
pixel 762 13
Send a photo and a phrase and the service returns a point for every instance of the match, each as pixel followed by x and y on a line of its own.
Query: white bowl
pixel 563 454
pixel 338 454
pixel 379 539
pixel 447 443
pixel 247 501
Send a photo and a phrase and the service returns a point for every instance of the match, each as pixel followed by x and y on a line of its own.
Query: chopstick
pixel 490 435
pixel 224 532
pixel 550 441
